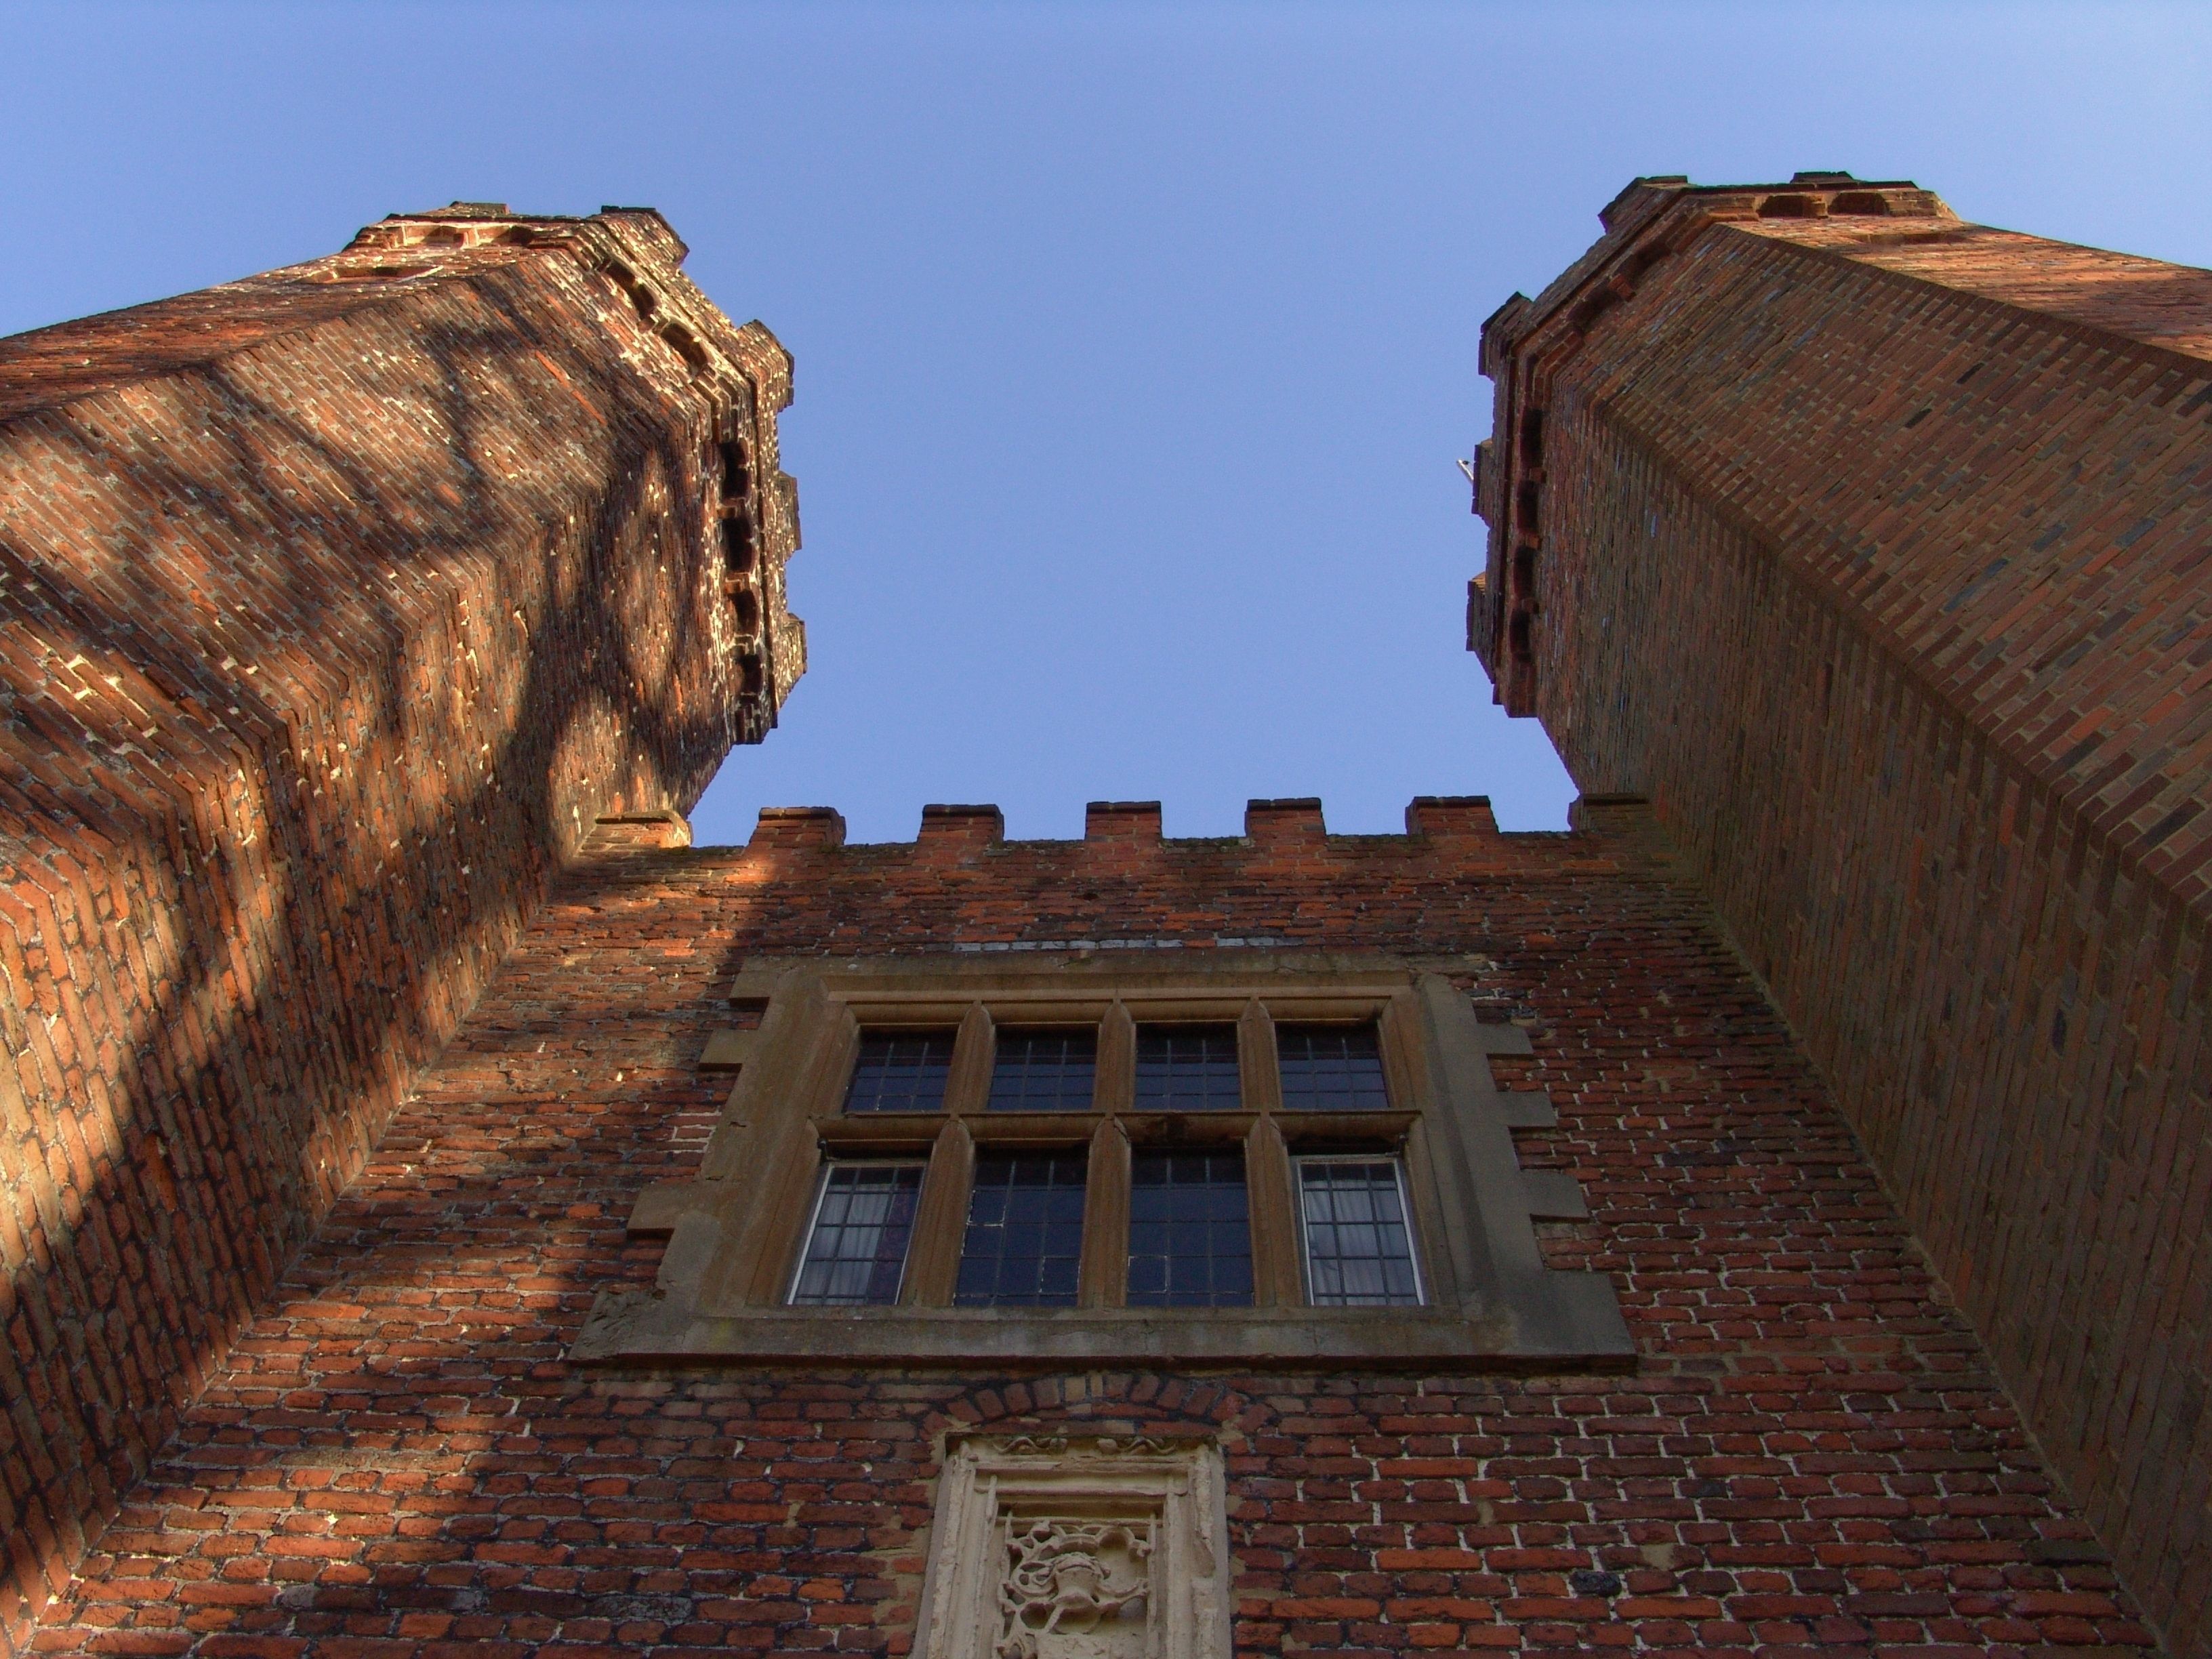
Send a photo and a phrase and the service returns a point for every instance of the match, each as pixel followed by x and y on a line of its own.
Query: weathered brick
pixel 335 606
pixel 1769 1412
pixel 1868 545
pixel 380 1445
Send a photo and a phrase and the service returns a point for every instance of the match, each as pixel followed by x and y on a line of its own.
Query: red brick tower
pixel 341 605
pixel 1869 546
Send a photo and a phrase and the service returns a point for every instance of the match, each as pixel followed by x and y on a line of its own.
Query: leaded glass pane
pixel 901 1072
pixel 1024 1239
pixel 1044 1071
pixel 1190 1234
pixel 863 1223
pixel 1358 1248
pixel 1331 1068
pixel 1188 1068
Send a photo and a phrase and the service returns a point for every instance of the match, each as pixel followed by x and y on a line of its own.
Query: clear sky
pixel 1134 343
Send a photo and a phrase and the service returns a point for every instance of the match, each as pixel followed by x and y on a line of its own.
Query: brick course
pixel 1870 547
pixel 1811 1450
pixel 338 603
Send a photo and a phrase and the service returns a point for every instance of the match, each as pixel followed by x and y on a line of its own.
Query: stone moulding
pixel 734 1232
pixel 1076 1548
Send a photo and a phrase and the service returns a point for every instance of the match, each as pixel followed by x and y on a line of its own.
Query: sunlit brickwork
pixel 374 624
pixel 1869 545
pixel 1809 1448
pixel 336 605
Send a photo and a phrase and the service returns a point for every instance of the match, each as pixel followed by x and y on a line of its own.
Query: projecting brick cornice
pixel 1525 341
pixel 1994 479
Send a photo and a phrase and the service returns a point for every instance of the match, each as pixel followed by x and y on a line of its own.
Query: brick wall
pixel 1811 1450
pixel 1869 547
pixel 335 605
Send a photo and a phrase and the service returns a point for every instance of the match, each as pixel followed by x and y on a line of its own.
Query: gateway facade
pixel 445 1205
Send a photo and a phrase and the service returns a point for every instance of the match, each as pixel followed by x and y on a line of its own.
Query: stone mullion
pixel 1259 1077
pixel 1105 1273
pixel 968 1086
pixel 940 1219
pixel 1275 1279
pixel 1115 1089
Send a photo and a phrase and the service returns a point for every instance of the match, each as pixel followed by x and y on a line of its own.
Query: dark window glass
pixel 1187 1068
pixel 1331 1068
pixel 1359 1249
pixel 901 1072
pixel 1044 1071
pixel 856 1249
pixel 1191 1239
pixel 1024 1238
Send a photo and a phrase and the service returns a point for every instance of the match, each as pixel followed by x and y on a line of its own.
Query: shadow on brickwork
pixel 398 1454
pixel 399 1458
pixel 229 956
pixel 387 1421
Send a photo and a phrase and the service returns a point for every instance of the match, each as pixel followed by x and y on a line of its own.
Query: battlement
pixel 1270 826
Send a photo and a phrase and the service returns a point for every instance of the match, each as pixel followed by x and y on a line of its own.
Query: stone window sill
pixel 1574 1321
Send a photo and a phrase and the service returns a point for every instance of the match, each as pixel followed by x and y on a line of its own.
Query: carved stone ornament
pixel 1078 1548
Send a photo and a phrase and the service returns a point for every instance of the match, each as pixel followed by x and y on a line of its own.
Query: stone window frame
pixel 736 1234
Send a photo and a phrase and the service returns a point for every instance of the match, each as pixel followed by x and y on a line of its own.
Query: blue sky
pixel 1134 343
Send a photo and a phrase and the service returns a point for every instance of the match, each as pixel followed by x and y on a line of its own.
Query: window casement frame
pixel 738 1234
pixel 950 1139
pixel 1404 1185
pixel 823 1174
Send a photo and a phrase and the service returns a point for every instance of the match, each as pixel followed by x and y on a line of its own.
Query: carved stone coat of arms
pixel 1072 1547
